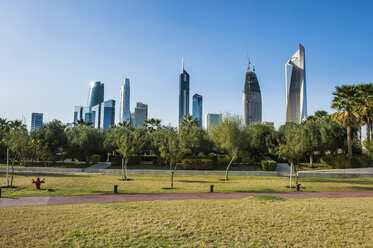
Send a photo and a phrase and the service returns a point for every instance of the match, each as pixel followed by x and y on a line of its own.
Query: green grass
pixel 104 184
pixel 267 198
pixel 343 222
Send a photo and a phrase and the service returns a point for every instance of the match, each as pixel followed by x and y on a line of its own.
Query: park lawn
pixel 81 184
pixel 333 222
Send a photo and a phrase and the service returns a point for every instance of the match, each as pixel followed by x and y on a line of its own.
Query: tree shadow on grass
pixel 256 191
pixel 195 181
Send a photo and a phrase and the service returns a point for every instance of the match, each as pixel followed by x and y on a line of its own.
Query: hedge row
pixel 268 164
pixel 197 164
pixel 341 161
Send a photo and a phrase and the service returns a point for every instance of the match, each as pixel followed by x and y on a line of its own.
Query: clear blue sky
pixel 51 50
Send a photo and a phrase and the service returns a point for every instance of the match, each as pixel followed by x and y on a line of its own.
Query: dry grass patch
pixel 346 222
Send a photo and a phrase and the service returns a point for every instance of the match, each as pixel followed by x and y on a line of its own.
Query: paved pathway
pixel 100 165
pixel 77 199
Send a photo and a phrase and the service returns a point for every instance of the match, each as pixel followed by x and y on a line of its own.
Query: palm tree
pixel 188 121
pixel 16 124
pixel 126 125
pixel 82 122
pixel 365 109
pixel 152 124
pixel 345 102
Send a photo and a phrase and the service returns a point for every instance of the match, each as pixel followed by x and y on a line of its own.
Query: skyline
pixel 53 62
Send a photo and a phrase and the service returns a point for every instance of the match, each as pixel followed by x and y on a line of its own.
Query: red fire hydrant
pixel 38 182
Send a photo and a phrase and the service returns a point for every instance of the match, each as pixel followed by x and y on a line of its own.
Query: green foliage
pixel 95 158
pixel 115 159
pixel 197 163
pixel 268 164
pixel 368 148
pixel 188 121
pixel 153 158
pixel 262 139
pixel 131 142
pixel 340 161
pixel 18 142
pixel 195 140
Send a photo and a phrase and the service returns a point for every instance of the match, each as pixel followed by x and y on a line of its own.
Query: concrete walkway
pixel 78 199
pixel 100 165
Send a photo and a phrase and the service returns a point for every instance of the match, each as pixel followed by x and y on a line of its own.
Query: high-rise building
pixel 183 93
pixel 96 93
pixel 213 120
pixel 99 113
pixel 107 117
pixel 252 98
pixel 197 108
pixel 141 114
pixel 295 80
pixel 124 111
pixel 36 120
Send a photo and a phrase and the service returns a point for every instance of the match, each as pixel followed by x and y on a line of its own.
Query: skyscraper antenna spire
pixel 182 66
pixel 248 66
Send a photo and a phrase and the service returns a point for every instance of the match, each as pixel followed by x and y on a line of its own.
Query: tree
pixel 85 140
pixel 152 124
pixel 195 140
pixel 130 143
pixel 311 138
pixel 188 121
pixel 345 102
pixel 365 108
pixel 168 141
pixel 230 137
pixel 262 139
pixel 18 142
pixel 82 122
pixel 51 138
pixel 333 136
pixel 290 146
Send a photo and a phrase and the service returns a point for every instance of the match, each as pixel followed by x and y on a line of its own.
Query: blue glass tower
pixel 96 94
pixel 183 93
pixel 107 110
pixel 124 112
pixel 36 120
pixel 197 108
pixel 141 114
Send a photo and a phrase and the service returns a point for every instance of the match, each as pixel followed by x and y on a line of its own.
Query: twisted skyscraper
pixel 252 99
pixel 295 79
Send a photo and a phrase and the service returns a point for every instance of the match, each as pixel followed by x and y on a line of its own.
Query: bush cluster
pixel 340 161
pixel 197 164
pixel 268 164
pixel 95 159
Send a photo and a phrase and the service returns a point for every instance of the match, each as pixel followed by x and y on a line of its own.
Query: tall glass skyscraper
pixel 96 93
pixel 107 114
pixel 197 108
pixel 183 93
pixel 141 114
pixel 252 98
pixel 124 111
pixel 295 80
pixel 36 120
pixel 78 114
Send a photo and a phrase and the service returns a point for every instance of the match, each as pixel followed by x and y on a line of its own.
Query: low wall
pixel 334 174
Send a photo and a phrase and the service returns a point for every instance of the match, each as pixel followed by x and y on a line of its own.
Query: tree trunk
pixel 7 167
pixel 172 176
pixel 86 158
pixel 311 159
pixel 367 126
pixel 360 140
pixel 229 165
pixel 125 169
pixel 296 173
pixel 291 172
pixel 349 145
pixel 11 180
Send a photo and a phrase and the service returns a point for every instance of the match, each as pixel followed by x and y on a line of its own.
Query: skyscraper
pixel 252 98
pixel 124 112
pixel 141 114
pixel 96 93
pixel 78 114
pixel 197 108
pixel 183 93
pixel 36 120
pixel 213 120
pixel 295 80
pixel 107 117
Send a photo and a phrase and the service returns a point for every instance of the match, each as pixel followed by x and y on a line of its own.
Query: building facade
pixel 197 108
pixel 36 120
pixel 96 93
pixel 183 93
pixel 124 105
pixel 295 80
pixel 107 117
pixel 140 115
pixel 252 98
pixel 213 120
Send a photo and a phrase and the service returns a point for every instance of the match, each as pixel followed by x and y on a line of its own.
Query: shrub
pixel 134 159
pixel 341 161
pixel 115 159
pixel 153 158
pixel 197 163
pixel 268 164
pixel 95 159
